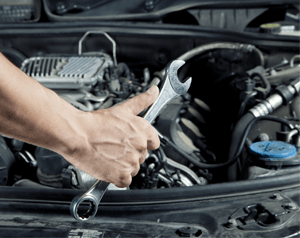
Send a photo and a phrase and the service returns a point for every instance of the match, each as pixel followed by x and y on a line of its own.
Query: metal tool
pixel 171 89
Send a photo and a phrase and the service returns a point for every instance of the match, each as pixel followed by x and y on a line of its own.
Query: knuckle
pixel 122 176
pixel 135 164
pixel 124 180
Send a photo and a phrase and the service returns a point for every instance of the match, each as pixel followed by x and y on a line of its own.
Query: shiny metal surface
pixel 171 89
pixel 267 106
pixel 93 196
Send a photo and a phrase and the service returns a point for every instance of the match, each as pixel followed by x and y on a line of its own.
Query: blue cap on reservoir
pixel 275 150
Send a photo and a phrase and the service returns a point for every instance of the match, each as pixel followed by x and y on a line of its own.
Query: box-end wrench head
pixel 93 197
pixel 172 88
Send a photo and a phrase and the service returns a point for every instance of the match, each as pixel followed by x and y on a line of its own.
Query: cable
pixel 240 147
pixel 293 119
pixel 245 102
pixel 162 159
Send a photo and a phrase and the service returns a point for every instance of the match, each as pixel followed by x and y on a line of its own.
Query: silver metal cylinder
pixel 261 109
pixel 267 106
pixel 275 101
pixel 296 86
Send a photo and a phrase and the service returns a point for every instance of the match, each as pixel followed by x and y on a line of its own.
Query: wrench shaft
pixel 162 100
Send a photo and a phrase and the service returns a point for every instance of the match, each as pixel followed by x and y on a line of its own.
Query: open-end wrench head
pixel 172 72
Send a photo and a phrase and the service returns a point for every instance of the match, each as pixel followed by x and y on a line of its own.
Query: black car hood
pixel 109 10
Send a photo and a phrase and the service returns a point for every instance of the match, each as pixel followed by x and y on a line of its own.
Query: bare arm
pixel 109 144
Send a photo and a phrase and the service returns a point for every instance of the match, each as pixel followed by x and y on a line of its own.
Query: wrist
pixel 73 141
pixel 64 130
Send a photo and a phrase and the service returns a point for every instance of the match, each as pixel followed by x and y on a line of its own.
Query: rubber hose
pixel 219 45
pixel 237 134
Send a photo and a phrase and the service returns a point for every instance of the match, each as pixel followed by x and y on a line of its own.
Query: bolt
pixel 263 137
pixel 231 223
pixel 60 8
pixel 149 5
pixel 276 196
pixel 290 206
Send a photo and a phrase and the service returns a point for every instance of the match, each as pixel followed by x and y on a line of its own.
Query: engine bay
pixel 241 95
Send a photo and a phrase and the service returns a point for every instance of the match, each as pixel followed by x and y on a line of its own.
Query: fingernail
pixel 151 90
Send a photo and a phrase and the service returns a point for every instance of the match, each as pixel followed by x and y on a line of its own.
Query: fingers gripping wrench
pixel 171 89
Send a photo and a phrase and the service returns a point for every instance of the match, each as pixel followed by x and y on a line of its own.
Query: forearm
pixel 32 113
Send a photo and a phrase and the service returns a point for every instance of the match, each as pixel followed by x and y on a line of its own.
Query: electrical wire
pixel 293 119
pixel 244 103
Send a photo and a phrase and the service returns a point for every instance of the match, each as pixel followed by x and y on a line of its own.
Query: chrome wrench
pixel 172 88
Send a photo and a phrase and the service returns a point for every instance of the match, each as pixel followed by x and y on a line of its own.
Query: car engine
pixel 242 104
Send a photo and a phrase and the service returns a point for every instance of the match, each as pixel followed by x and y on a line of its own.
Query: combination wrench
pixel 171 88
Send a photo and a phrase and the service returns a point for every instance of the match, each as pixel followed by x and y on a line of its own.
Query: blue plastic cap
pixel 273 149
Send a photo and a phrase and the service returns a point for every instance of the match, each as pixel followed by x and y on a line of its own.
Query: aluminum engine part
pixel 66 72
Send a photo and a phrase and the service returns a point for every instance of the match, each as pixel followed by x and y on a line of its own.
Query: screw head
pixel 149 5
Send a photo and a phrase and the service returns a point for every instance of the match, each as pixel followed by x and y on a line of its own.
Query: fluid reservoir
pixel 270 158
pixel 270 28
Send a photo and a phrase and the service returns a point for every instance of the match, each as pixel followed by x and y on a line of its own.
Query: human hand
pixel 116 140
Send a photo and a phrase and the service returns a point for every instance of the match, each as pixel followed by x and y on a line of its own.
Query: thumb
pixel 140 102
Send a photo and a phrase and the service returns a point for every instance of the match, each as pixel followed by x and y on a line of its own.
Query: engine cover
pixel 66 72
